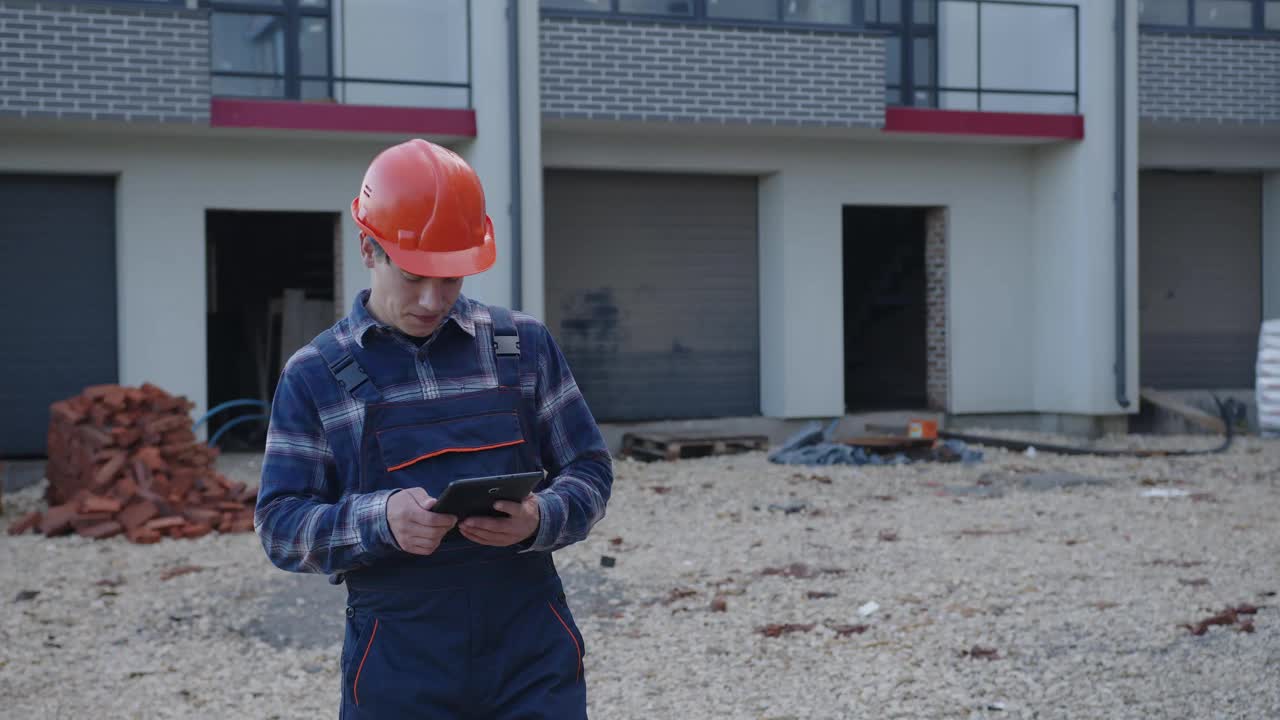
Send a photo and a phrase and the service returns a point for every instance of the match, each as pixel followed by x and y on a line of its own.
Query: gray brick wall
pixel 612 69
pixel 94 61
pixel 1208 79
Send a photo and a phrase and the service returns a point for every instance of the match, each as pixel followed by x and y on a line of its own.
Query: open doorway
pixel 885 308
pixel 271 288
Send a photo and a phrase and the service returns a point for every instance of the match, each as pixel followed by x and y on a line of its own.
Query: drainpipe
pixel 513 102
pixel 1122 69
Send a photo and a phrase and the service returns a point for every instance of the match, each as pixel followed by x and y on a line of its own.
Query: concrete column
pixel 490 152
pixel 1074 327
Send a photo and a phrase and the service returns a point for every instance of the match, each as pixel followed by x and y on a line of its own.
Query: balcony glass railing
pixel 371 52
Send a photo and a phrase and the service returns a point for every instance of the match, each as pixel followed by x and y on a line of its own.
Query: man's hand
pixel 501 532
pixel 417 529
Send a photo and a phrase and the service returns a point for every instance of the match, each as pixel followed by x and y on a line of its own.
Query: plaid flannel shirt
pixel 310 516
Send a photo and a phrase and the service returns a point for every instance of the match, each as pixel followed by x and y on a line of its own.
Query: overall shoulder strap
pixel 346 369
pixel 506 346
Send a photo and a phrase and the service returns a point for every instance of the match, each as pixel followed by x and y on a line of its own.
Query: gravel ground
pixel 1021 586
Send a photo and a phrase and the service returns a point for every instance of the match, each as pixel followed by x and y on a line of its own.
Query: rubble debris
pixel 978 652
pixel 678 594
pixel 1229 616
pixel 1165 493
pixel 719 604
pixel 179 571
pixel 888 536
pixel 800 571
pixel 25 595
pixel 819 594
pixel 847 630
pixel 27 523
pixel 778 630
pixel 868 609
pixel 124 460
pixel 606 561
pixel 984 532
pixel 788 508
pixel 670 446
pixel 660 489
pixel 816 445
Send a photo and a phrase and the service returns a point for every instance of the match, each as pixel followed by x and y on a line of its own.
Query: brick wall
pixel 1214 79
pixel 653 71
pixel 935 254
pixel 98 62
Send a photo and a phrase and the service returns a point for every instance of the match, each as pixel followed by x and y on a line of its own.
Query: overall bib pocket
pixel 431 455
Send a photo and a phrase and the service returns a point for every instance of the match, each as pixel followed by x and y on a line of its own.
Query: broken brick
pixel 195 530
pixel 143 536
pixel 105 474
pixel 57 521
pixel 165 523
pixel 99 504
pixel 29 522
pixel 101 531
pixel 202 515
pixel 138 513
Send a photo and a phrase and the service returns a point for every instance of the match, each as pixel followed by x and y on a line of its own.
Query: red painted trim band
pixel 429 455
pixel 1000 124
pixel 290 115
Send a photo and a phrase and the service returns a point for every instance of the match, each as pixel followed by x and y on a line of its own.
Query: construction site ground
pixel 1022 586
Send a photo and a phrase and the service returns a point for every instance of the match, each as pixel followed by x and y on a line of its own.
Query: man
pixel 416 387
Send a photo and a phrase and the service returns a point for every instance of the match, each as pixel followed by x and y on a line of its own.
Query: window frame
pixel 292 14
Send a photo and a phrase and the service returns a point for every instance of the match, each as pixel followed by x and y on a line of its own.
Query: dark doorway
pixel 271 290
pixel 885 308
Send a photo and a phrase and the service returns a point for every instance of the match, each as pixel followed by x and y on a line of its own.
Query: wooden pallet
pixel 664 446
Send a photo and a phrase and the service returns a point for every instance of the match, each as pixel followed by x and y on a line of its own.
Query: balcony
pixel 371 65
pixel 984 55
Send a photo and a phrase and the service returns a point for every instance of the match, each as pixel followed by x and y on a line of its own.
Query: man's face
pixel 413 304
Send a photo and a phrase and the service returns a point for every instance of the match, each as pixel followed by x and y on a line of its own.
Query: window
pixel 271 48
pixel 1240 16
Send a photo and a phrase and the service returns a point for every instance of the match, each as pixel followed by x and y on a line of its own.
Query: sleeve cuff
pixel 383 541
pixel 551 518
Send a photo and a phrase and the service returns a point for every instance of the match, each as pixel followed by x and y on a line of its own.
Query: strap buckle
pixel 506 345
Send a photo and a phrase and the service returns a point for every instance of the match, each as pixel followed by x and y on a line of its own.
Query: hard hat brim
pixel 435 263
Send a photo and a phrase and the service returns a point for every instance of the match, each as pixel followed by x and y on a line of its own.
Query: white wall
pixel 165 186
pixel 805 183
pixel 1271 246
pixel 1074 236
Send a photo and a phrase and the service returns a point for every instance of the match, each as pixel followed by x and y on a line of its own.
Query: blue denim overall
pixel 470 631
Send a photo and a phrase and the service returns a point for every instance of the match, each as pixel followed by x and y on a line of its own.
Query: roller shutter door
pixel 1200 279
pixel 652 285
pixel 58 288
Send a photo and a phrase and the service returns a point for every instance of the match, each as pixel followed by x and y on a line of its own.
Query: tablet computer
pixel 466 497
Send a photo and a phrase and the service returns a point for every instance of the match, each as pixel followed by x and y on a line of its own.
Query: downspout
pixel 513 102
pixel 1121 198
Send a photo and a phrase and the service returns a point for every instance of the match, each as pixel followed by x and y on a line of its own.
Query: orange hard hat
pixel 425 206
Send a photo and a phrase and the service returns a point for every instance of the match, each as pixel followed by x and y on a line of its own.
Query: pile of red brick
pixel 125 460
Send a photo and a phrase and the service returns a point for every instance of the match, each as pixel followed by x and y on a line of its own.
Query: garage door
pixel 1200 259
pixel 653 292
pixel 58 286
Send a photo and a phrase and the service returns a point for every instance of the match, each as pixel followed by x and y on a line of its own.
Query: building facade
pixel 720 207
